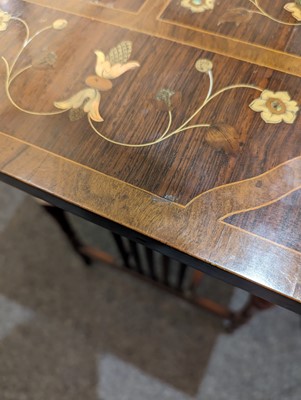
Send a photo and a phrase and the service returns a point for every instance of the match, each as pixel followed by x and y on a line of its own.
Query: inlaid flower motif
pixel 87 101
pixel 108 67
pixel 203 65
pixel 4 19
pixel 116 62
pixel 106 70
pixel 275 107
pixel 198 6
pixel 295 9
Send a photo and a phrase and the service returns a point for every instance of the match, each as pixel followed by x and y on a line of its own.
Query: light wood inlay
pixel 277 221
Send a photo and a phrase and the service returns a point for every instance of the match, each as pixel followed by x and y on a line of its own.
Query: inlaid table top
pixel 176 119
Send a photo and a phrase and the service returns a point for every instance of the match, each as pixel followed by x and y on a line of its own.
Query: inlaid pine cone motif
pixel 121 53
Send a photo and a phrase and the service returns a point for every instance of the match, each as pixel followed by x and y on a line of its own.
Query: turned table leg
pixel 61 219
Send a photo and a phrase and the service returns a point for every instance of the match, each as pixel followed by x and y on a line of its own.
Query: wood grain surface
pixel 240 21
pixel 153 19
pixel 134 120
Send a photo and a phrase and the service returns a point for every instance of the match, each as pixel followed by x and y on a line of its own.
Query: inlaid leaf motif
pixel 121 53
pixel 76 113
pixel 165 96
pixel 223 137
pixel 167 100
pixel 46 59
pixel 236 15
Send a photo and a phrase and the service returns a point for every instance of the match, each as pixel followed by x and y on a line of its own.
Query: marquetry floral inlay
pixel 242 14
pixel 46 59
pixel 165 96
pixel 203 65
pixel 59 24
pixel 198 6
pixel 294 9
pixel 275 107
pixel 107 67
pixel 4 19
pixel 85 101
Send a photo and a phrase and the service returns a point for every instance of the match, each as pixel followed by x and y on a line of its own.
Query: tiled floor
pixel 67 332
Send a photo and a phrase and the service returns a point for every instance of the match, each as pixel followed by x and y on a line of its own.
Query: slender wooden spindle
pixel 181 276
pixel 150 263
pixel 136 256
pixel 166 269
pixel 61 219
pixel 122 249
